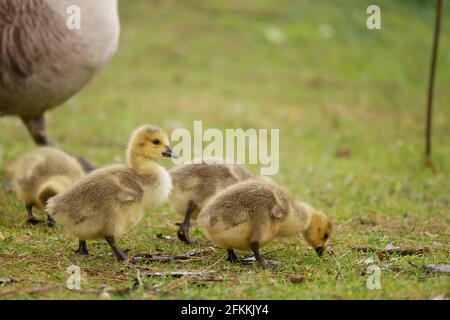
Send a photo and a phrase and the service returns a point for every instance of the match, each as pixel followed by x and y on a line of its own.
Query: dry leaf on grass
pixel 296 278
pixel 394 250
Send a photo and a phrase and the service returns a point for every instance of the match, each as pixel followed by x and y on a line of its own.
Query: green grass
pixel 331 85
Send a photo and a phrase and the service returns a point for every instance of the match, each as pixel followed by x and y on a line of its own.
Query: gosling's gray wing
pixel 100 193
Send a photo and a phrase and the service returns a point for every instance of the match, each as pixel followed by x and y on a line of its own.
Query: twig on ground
pixel 215 263
pixel 276 250
pixel 338 264
pixel 189 256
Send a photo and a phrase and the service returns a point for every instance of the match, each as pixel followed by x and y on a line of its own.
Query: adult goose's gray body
pixel 43 62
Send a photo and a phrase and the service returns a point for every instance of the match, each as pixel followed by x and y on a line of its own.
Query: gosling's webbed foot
pixel 269 264
pixel 115 248
pixel 183 235
pixel 232 257
pixel 183 231
pixel 82 248
pixel 122 257
pixel 50 222
pixel 33 221
pixel 258 256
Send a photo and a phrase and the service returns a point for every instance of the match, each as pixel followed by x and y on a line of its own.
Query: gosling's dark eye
pixel 156 141
pixel 325 236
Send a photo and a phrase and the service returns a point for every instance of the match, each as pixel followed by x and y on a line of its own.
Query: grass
pixel 349 103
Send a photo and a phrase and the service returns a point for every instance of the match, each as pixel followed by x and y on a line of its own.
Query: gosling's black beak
pixel 169 153
pixel 319 251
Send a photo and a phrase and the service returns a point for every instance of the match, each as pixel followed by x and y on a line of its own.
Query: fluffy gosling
pixel 194 183
pixel 109 202
pixel 250 214
pixel 41 174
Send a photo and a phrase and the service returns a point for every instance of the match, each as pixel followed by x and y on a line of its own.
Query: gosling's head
pixel 149 142
pixel 319 231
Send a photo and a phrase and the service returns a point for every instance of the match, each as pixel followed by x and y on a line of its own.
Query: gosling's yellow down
pixel 41 174
pixel 250 214
pixel 108 202
pixel 194 183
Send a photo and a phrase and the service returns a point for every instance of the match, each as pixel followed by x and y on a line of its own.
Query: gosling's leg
pixel 31 218
pixel 85 164
pixel 82 248
pixel 115 248
pixel 232 257
pixel 258 256
pixel 183 231
pixel 37 128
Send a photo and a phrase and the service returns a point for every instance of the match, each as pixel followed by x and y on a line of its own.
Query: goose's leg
pixel 232 257
pixel 115 248
pixel 183 231
pixel 50 221
pixel 82 248
pixel 37 129
pixel 31 218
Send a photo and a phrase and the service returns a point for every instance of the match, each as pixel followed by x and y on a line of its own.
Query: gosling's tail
pixel 51 188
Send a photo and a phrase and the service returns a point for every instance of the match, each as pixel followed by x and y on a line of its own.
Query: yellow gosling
pixel 109 202
pixel 252 213
pixel 41 174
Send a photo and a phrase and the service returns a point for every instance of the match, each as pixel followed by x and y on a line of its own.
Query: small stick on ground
pixel 338 264
pixel 215 263
pixel 429 120
pixel 399 251
pixel 190 256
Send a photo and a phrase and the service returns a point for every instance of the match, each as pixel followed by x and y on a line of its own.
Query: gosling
pixel 109 202
pixel 250 214
pixel 41 174
pixel 194 183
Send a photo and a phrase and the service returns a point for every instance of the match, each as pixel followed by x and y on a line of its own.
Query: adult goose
pixel 44 60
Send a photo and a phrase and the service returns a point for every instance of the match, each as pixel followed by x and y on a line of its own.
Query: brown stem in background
pixel 437 30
